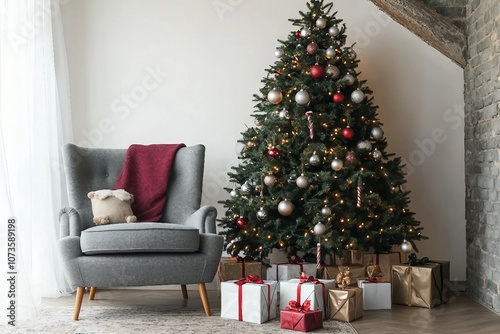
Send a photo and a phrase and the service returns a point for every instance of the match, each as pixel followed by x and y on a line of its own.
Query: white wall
pixel 209 57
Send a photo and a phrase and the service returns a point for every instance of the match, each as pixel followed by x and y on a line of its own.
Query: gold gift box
pixel 357 271
pixel 385 261
pixel 346 304
pixel 232 269
pixel 420 286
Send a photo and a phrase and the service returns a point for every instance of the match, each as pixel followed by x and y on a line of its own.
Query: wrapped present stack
pixel 421 282
pixel 345 302
pixel 249 299
pixel 352 262
pixel 376 294
pixel 385 261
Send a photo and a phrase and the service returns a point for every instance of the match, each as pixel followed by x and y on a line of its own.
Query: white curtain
pixel 34 123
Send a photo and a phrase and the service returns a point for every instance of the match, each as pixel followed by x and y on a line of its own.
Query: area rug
pixel 125 320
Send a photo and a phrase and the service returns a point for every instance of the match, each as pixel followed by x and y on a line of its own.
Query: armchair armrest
pixel 70 223
pixel 203 219
pixel 211 245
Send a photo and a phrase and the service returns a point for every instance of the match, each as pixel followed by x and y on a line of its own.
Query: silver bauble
pixel 333 71
pixel 337 164
pixel 285 208
pixel 245 188
pixel 357 96
pixel 305 32
pixel 321 22
pixel 326 211
pixel 406 246
pixel 350 79
pixel 261 214
pixel 334 31
pixel 257 122
pixel 302 181
pixel 279 53
pixel 269 180
pixel 302 97
pixel 377 155
pixel 364 145
pixel 352 54
pixel 233 193
pixel 319 229
pixel 283 114
pixel 377 133
pixel 314 160
pixel 330 53
pixel 275 96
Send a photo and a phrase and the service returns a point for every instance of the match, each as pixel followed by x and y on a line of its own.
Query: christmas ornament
pixel 318 256
pixel 261 214
pixel 333 71
pixel 337 164
pixel 321 22
pixel 357 96
pixel 285 208
pixel 334 31
pixel 283 114
pixel 305 32
pixel 279 53
pixel 302 181
pixel 352 54
pixel 310 124
pixel 330 53
pixel 317 71
pixel 348 133
pixel 376 154
pixel 275 96
pixel 377 133
pixel 350 157
pixel 358 194
pixel 278 73
pixel 326 211
pixel 319 229
pixel 314 160
pixel 338 97
pixel 349 78
pixel 257 122
pixel 245 188
pixel 233 193
pixel 269 180
pixel 273 152
pixel 364 145
pixel 312 48
pixel 241 223
pixel 302 97
pixel 297 33
pixel 406 246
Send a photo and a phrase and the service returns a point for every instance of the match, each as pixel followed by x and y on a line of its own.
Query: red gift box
pixel 303 321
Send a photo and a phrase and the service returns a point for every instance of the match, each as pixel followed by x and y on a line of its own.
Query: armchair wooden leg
pixel 184 291
pixel 204 298
pixel 78 301
pixel 92 292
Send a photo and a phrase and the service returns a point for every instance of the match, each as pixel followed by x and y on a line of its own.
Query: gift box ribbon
pixel 311 279
pixel 253 279
pixel 295 306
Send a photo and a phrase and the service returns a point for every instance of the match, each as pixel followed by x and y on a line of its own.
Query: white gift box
pixel 316 293
pixel 257 303
pixel 286 271
pixel 376 296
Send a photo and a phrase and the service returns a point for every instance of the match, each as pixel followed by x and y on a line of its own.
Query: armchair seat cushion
pixel 139 238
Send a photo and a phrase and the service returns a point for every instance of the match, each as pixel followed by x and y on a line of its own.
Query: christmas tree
pixel 314 168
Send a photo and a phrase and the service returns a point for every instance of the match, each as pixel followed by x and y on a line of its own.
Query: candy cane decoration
pixel 318 256
pixel 310 123
pixel 358 194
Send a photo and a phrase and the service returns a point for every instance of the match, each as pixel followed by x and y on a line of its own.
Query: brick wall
pixel 482 148
pixel 453 9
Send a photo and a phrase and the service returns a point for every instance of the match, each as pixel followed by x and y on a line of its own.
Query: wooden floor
pixel 460 315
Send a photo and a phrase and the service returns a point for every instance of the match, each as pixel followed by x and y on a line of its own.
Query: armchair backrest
pixel 89 169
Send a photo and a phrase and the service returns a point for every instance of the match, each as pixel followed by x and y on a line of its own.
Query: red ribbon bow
pixel 310 279
pixel 255 279
pixel 295 260
pixel 372 280
pixel 295 306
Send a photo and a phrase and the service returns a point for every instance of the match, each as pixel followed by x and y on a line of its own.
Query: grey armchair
pixel 182 249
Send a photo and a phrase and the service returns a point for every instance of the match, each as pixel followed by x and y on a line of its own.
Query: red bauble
pixel 241 223
pixel 317 71
pixel 338 97
pixel 297 33
pixel 348 133
pixel 312 48
pixel 273 152
pixel 278 73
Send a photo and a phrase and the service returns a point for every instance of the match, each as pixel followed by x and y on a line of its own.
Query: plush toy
pixel 112 206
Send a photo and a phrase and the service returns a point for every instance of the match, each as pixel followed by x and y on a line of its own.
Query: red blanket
pixel 145 174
